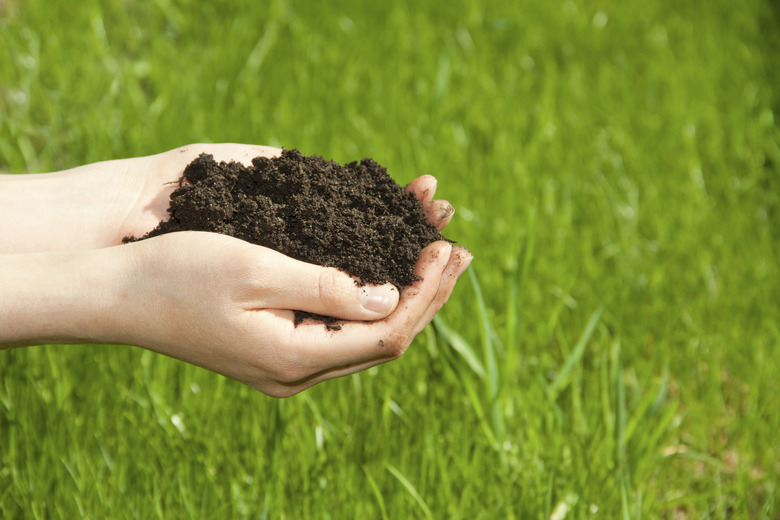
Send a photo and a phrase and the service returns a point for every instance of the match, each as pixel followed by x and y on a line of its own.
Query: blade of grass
pixel 625 510
pixel 620 413
pixel 649 402
pixel 465 379
pixel 487 342
pixel 411 490
pixel 459 345
pixel 377 493
pixel 563 378
pixel 491 359
pixel 516 285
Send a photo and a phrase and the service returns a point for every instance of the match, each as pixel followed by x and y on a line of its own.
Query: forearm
pixel 60 297
pixel 82 208
pixel 99 204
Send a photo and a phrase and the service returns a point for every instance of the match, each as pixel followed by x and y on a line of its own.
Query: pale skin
pixel 208 299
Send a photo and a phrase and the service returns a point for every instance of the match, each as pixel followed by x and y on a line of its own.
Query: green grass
pixel 615 352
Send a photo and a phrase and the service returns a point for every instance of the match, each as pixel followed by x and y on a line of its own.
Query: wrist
pixel 60 211
pixel 83 208
pixel 60 297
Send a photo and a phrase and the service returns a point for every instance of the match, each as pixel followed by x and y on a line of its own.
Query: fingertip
pixel 436 249
pixel 459 261
pixel 423 188
pixel 428 180
pixel 465 257
pixel 434 256
pixel 439 213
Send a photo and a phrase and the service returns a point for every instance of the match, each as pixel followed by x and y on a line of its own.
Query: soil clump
pixel 353 217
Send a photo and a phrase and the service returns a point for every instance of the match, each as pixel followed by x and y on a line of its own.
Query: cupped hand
pixel 157 176
pixel 97 205
pixel 225 305
pixel 209 299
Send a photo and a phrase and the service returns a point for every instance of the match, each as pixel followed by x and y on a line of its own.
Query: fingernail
pixel 445 212
pixel 377 298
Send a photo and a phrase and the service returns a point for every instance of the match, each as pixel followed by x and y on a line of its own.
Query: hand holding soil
pixel 225 309
pixel 355 217
pixel 209 299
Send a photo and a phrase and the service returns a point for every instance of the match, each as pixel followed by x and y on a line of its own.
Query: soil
pixel 353 217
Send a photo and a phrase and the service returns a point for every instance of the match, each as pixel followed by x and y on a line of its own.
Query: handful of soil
pixel 353 217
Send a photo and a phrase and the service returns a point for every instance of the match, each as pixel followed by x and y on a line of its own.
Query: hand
pixel 155 177
pixel 223 304
pixel 162 172
pixel 97 205
pixel 209 299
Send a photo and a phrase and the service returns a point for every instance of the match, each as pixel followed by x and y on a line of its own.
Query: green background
pixel 615 349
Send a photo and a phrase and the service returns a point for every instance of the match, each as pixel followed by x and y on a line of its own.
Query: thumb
pixel 291 284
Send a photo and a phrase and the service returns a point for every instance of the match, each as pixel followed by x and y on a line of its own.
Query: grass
pixel 615 351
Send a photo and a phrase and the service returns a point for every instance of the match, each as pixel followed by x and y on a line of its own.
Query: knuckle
pixel 330 288
pixel 324 290
pixel 261 272
pixel 413 292
pixel 441 299
pixel 396 346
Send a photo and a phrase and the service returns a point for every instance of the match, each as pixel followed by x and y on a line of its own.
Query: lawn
pixel 614 351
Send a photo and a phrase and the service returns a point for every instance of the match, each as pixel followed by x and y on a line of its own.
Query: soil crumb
pixel 353 217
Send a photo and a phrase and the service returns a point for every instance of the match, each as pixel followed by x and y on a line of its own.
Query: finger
pixel 438 213
pixel 286 283
pixel 359 343
pixel 309 367
pixel 423 188
pixel 460 259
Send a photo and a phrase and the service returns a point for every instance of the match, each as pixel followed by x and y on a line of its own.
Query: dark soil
pixel 353 217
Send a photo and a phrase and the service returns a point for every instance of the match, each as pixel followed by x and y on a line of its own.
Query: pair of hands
pixel 208 299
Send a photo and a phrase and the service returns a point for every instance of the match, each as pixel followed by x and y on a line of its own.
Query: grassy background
pixel 615 351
